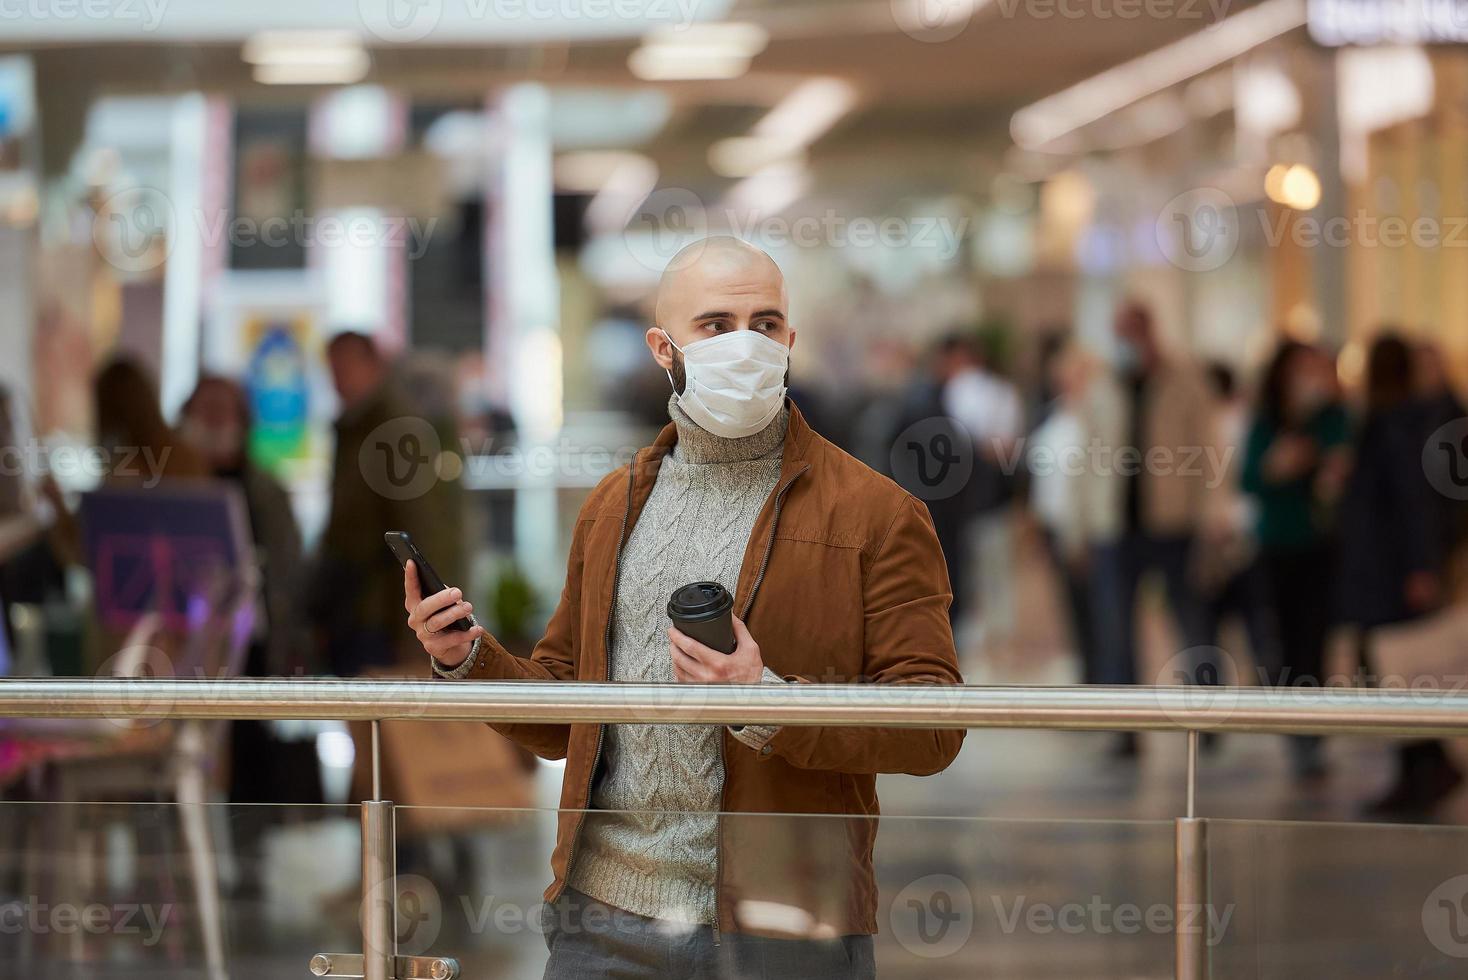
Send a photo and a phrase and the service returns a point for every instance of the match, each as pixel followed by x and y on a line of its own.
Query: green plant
pixel 512 603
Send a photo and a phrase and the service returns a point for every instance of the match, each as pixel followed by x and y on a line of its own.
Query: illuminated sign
pixel 1340 22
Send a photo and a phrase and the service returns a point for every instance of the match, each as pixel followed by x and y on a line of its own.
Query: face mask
pixel 734 383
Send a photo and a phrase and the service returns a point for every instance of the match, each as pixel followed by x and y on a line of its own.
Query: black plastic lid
pixel 700 600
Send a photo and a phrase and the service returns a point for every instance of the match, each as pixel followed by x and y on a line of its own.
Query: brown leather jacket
pixel 842 582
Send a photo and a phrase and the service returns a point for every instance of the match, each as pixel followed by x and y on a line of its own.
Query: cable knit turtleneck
pixel 656 855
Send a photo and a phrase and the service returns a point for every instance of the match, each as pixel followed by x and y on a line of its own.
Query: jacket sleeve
pixel 908 640
pixel 554 659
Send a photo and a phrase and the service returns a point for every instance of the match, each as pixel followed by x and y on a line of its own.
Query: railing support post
pixel 1190 902
pixel 379 891
pixel 1191 919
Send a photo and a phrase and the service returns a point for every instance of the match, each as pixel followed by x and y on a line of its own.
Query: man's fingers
pixel 439 600
pixel 689 646
pixel 741 632
pixel 412 591
pixel 692 669
pixel 452 614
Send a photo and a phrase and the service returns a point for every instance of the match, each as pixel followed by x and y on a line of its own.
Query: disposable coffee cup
pixel 705 611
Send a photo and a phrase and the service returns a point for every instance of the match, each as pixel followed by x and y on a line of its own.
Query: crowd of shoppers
pixel 1301 512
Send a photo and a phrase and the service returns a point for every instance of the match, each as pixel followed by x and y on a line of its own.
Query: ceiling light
pixel 667 65
pixel 699 51
pixel 346 73
pixel 1082 104
pixel 741 156
pixel 716 40
pixel 307 57
pixel 807 113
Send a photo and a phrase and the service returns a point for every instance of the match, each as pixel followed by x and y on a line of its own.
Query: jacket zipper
pixel 723 771
pixel 601 731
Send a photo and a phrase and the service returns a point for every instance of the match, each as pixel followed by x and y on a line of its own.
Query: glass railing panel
pixel 954 897
pixel 1345 901
pixel 165 890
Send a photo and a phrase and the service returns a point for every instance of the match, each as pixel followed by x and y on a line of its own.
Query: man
pixel 1151 429
pixel 375 487
pixel 837 577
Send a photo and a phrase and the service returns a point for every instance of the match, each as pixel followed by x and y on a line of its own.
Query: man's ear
pixel 792 338
pixel 661 347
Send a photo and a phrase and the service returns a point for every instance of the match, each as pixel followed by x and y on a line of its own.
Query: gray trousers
pixel 592 941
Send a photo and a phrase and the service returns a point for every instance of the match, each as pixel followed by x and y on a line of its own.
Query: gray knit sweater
pixel 657 854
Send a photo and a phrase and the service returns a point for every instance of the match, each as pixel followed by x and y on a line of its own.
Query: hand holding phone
pixel 437 614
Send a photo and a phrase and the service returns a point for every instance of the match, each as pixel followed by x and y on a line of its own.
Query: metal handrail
pixel 1328 711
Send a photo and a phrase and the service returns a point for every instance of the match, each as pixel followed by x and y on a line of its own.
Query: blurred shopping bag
pixel 1427 654
pixel 451 775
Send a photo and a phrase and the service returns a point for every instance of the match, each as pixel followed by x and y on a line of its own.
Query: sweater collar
pixel 698 445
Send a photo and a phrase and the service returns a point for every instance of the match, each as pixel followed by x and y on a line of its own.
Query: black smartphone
pixel 404 550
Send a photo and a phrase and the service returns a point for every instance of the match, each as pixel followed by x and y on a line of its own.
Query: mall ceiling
pixel 915 92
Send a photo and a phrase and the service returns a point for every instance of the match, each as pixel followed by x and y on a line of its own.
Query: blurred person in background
pixel 988 406
pixel 1440 406
pixel 1392 551
pixel 139 446
pixel 838 580
pixel 1227 563
pixel 1151 426
pixel 216 423
pixel 922 401
pixel 377 485
pixel 1056 453
pixel 1296 460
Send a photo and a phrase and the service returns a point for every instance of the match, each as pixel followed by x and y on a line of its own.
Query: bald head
pixel 714 286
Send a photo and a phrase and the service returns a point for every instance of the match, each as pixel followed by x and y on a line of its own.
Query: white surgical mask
pixel 734 383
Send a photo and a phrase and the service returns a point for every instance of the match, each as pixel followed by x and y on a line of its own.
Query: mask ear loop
pixel 670 373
